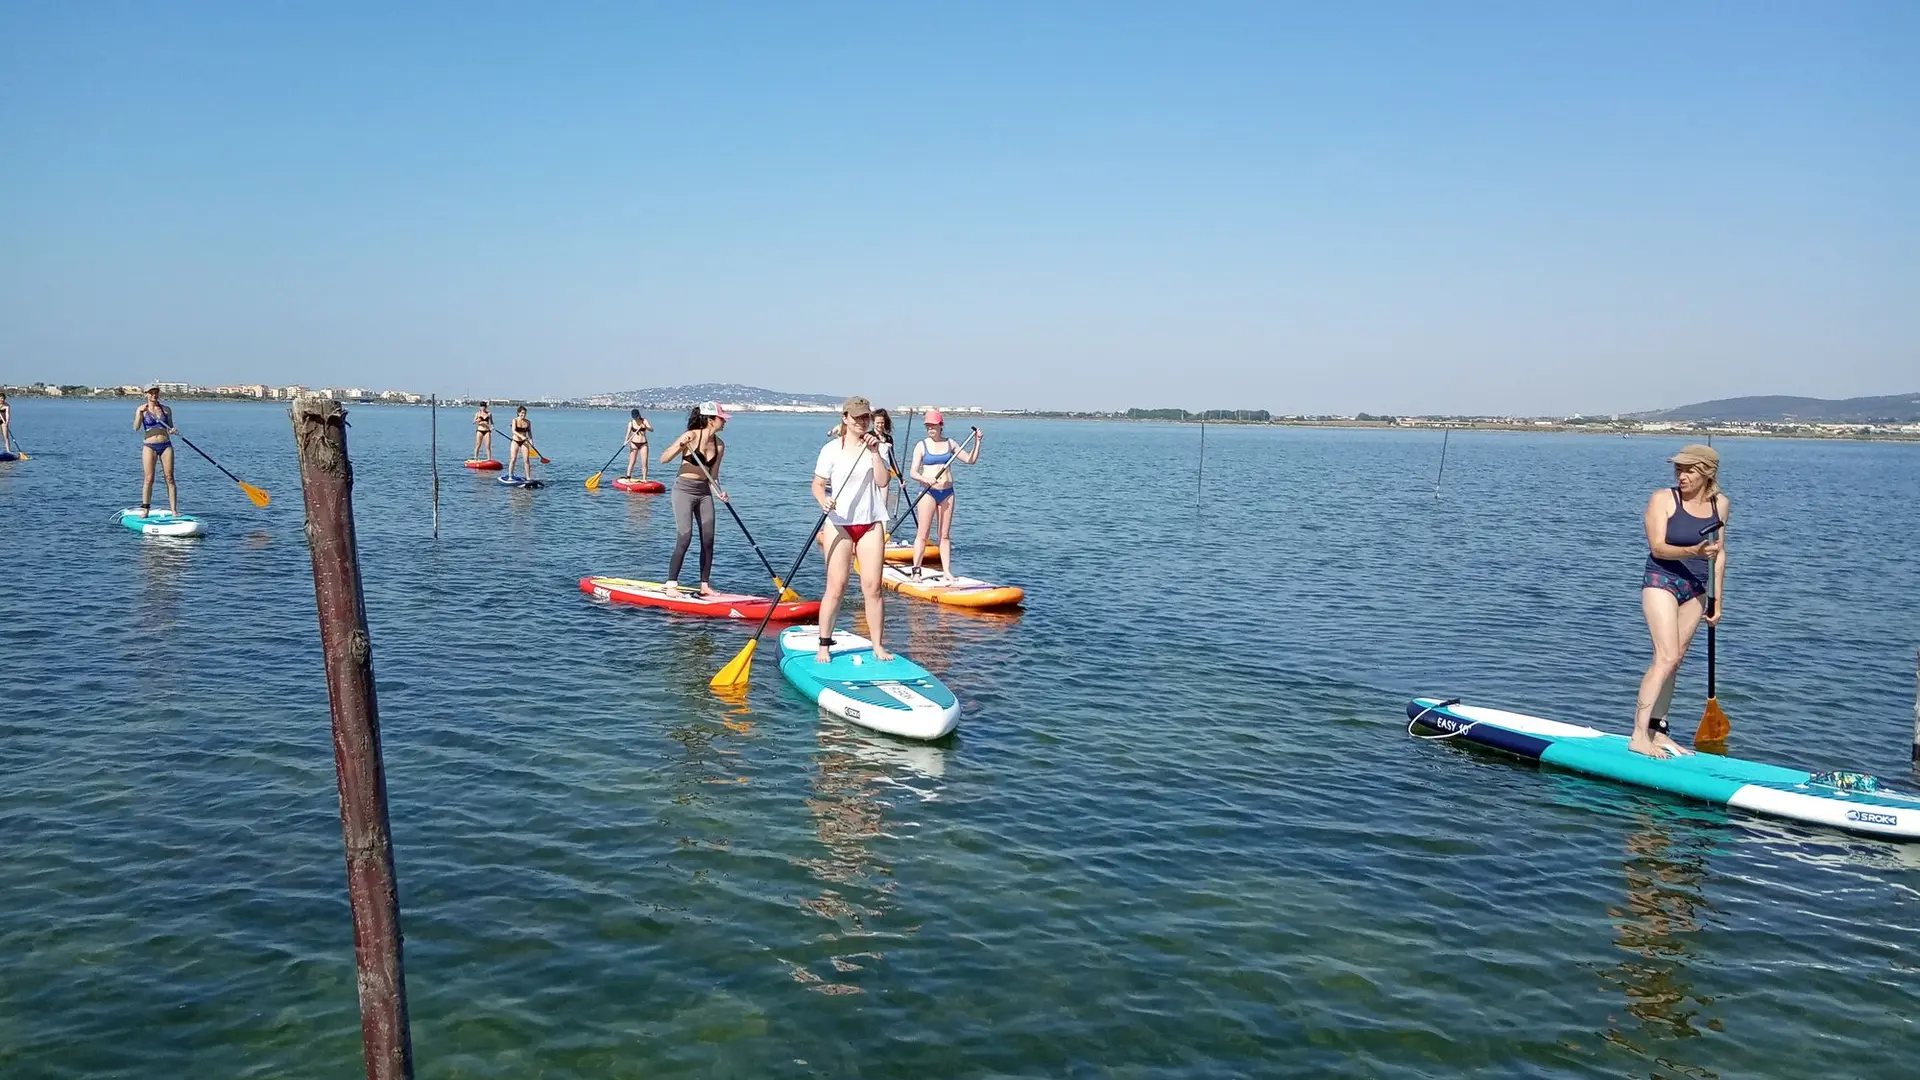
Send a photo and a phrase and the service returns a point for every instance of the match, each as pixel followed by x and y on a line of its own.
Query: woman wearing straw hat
pixel 1686 545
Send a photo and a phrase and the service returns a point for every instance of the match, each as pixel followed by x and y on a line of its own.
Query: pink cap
pixel 934 416
pixel 713 408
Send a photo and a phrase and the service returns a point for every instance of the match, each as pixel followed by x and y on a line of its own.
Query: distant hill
pixel 686 397
pixel 1893 409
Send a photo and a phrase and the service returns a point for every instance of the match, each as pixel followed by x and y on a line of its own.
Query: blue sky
pixel 1457 207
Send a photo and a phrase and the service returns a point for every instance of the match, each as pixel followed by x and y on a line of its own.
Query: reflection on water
pixel 1665 867
pixel 858 778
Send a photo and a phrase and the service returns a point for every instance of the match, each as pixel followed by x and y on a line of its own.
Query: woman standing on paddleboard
pixel 482 433
pixel 849 482
pixel 522 448
pixel 933 461
pixel 637 429
pixel 697 447
pixel 1683 549
pixel 154 422
pixel 6 424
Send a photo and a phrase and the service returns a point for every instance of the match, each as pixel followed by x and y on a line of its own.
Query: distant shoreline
pixel 1608 429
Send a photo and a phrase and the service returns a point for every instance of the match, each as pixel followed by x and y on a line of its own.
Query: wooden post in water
pixel 1916 706
pixel 434 455
pixel 326 480
pixel 1200 474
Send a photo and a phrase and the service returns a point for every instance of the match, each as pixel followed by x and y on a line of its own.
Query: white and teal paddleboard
pixel 895 696
pixel 1849 801
pixel 161 523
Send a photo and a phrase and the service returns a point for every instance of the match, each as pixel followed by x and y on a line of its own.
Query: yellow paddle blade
pixel 787 596
pixel 1714 724
pixel 737 669
pixel 593 482
pixel 260 498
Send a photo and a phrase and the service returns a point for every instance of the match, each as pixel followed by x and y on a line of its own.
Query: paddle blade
pixel 260 498
pixel 1714 725
pixel 593 482
pixel 787 596
pixel 735 673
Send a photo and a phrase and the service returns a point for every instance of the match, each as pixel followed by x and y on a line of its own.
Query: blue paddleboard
pixel 1840 800
pixel 161 523
pixel 896 696
pixel 521 482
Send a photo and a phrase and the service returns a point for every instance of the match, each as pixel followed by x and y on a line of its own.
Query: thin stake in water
pixel 1444 432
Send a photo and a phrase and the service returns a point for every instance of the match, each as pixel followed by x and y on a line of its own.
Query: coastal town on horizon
pixel 751 399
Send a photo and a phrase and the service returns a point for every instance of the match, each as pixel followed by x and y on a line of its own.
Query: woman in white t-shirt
pixel 850 483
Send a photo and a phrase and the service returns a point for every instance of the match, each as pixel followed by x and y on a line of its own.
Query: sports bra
pixel 148 422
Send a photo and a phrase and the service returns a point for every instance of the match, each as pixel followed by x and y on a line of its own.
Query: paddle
pixel 593 482
pixel 259 497
pixel 948 464
pixel 735 674
pixel 1714 725
pixel 786 595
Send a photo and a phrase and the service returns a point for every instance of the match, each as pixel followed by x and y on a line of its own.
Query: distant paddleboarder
pixel 522 444
pixel 154 421
pixel 6 425
pixel 637 429
pixel 1682 551
pixel 482 432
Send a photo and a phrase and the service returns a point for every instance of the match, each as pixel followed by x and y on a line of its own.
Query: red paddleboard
pixel 690 602
pixel 484 464
pixel 639 487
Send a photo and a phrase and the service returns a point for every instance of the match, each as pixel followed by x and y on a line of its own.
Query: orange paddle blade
pixel 735 674
pixel 259 497
pixel 1714 724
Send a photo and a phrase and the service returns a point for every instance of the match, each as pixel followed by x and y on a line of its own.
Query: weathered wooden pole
pixel 326 480
pixel 1916 706
pixel 434 454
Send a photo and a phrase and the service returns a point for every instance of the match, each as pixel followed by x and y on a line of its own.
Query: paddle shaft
pixel 610 458
pixel 778 581
pixel 944 468
pixel 210 461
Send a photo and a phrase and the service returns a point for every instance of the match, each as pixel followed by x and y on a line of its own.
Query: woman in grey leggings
pixel 699 449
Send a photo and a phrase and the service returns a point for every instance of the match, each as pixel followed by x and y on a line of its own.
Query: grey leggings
pixel 692 496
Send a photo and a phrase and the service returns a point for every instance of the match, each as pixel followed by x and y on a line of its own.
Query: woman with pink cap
pixel 699 449
pixel 1683 584
pixel 933 461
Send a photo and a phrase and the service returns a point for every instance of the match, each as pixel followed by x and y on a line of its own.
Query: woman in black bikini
pixel 482 432
pixel 154 422
pixel 637 429
pixel 700 451
pixel 522 448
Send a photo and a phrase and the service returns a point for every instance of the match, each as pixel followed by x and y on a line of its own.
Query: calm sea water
pixel 1181 832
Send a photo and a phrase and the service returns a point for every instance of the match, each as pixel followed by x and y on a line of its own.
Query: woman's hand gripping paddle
pixel 787 595
pixel 733 677
pixel 1714 725
pixel 593 482
pixel 259 497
